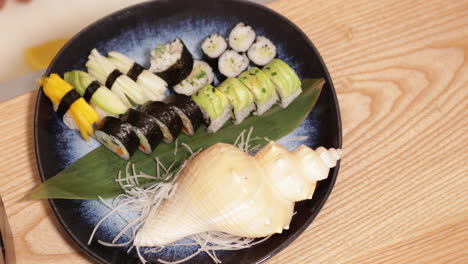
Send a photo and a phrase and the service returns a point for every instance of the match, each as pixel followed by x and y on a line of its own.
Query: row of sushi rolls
pixel 128 107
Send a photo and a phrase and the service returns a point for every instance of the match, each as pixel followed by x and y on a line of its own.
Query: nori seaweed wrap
pixel 172 62
pixel 146 128
pixel 166 117
pixel 117 136
pixel 188 110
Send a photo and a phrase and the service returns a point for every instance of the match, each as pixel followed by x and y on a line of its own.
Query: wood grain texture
pixel 401 73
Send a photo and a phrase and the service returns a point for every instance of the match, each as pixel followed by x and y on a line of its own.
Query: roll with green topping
pixel 285 79
pixel 214 105
pixel 241 99
pixel 261 87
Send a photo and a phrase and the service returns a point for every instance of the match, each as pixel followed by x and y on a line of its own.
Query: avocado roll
pixel 117 136
pixel 98 96
pixel 261 87
pixel 214 106
pixel 188 111
pixel 285 79
pixel 213 46
pixel 201 75
pixel 145 127
pixel 171 61
pixel 231 63
pixel 241 37
pixel 240 98
pixel 168 120
pixel 262 51
pixel 153 86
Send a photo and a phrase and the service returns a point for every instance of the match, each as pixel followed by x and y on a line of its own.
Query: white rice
pixel 214 45
pixel 262 108
pixel 231 63
pixel 286 101
pixel 215 125
pixel 240 115
pixel 106 139
pixel 241 37
pixel 262 51
pixel 165 55
pixel 201 75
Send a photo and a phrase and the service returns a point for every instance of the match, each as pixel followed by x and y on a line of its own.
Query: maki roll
pixel 188 111
pixel 201 75
pixel 172 62
pixel 262 51
pixel 241 37
pixel 213 46
pixel 261 87
pixel 100 97
pixel 214 106
pixel 167 119
pixel 231 63
pixel 285 79
pixel 71 108
pixel 153 86
pixel 117 136
pixel 240 98
pixel 129 92
pixel 145 127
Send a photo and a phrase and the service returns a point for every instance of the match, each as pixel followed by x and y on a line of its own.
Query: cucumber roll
pixel 188 111
pixel 241 37
pixel 145 127
pixel 129 92
pixel 153 86
pixel 201 75
pixel 117 136
pixel 168 120
pixel 286 81
pixel 231 63
pixel 213 46
pixel 99 97
pixel 261 87
pixel 262 51
pixel 214 106
pixel 240 98
pixel 172 61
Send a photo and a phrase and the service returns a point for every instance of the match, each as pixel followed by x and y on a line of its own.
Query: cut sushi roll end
pixel 241 37
pixel 117 136
pixel 231 63
pixel 188 111
pixel 201 75
pixel 214 105
pixel 262 51
pixel 167 119
pixel 214 45
pixel 172 62
pixel 146 128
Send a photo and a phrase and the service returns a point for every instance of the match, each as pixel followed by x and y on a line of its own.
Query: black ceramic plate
pixel 134 31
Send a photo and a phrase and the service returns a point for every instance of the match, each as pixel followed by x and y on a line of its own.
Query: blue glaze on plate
pixel 136 30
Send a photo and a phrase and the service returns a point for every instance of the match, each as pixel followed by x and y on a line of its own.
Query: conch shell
pixel 225 189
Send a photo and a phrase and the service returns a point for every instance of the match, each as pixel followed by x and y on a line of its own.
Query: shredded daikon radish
pixel 141 199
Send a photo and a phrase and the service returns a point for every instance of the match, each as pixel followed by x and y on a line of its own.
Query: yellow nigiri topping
pixel 82 113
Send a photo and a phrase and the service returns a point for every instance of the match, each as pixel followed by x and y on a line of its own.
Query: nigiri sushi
pixel 71 108
pixel 153 86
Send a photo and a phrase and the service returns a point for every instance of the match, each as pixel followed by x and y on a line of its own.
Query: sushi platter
pixel 143 94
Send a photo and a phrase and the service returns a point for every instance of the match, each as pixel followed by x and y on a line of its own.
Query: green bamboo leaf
pixel 94 174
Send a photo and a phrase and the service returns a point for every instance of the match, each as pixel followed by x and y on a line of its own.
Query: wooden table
pixel 401 75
